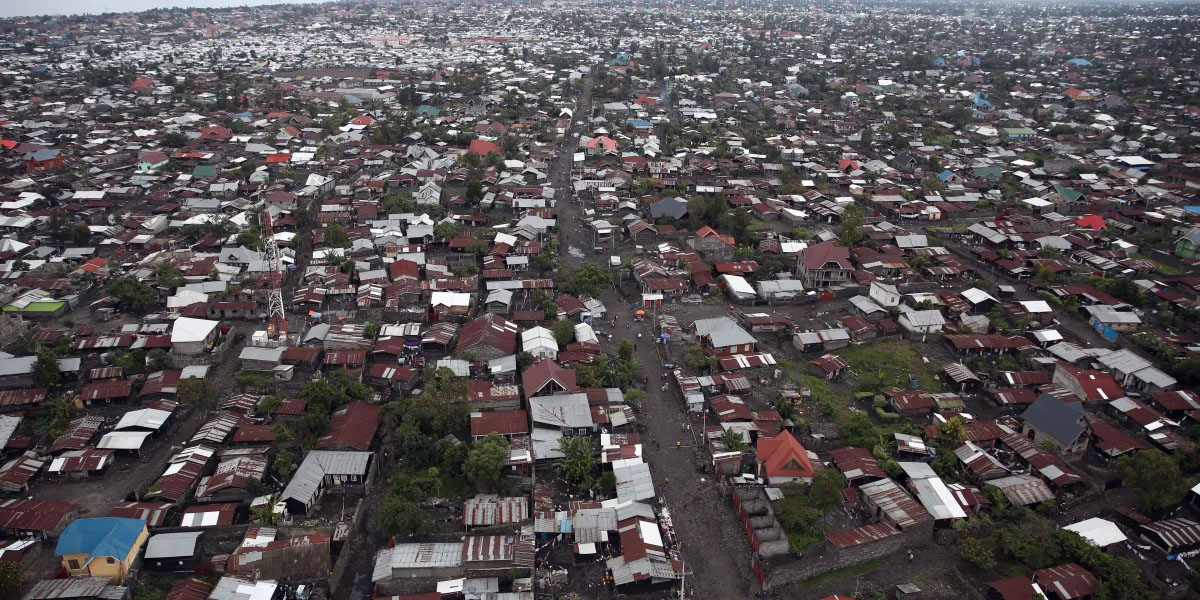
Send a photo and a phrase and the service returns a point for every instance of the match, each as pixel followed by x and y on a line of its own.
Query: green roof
pixel 204 171
pixel 37 306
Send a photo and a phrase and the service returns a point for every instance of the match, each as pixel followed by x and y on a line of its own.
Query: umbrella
pixel 641 313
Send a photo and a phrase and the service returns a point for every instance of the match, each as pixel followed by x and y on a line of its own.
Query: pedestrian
pixel 910 556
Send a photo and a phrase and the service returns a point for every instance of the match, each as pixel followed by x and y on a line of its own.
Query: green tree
pixel 953 433
pixel 131 293
pixel 607 483
pixel 851 233
pixel 564 332
pixel 400 517
pixel 336 236
pixel 474 192
pixel 732 439
pixel 978 552
pixel 635 397
pixel 445 229
pixel 588 281
pixel 578 464
pixel 826 490
pixel 174 139
pixel 197 393
pixel 46 372
pixel 485 462
pixel 284 464
pixel 394 203
pixel 251 239
pixel 1155 480
pixel 168 275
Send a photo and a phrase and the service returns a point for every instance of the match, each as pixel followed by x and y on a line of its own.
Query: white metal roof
pixel 187 329
pixel 123 440
pixel 1098 531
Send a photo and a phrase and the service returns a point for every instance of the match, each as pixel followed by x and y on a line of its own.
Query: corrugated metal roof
pixel 317 464
pixel 1023 489
pixel 172 545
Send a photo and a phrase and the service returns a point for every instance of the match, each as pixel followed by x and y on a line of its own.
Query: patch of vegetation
pixel 844 573
pixel 1017 534
pixel 889 363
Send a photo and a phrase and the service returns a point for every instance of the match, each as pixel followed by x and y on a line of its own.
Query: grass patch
pixel 893 361
pixel 1163 268
pixel 843 573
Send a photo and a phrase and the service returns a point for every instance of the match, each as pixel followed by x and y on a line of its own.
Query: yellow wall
pixel 100 567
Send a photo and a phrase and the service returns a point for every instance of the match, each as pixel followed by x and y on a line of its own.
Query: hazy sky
pixel 22 8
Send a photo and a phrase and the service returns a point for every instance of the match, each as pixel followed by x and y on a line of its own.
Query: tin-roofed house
pixel 323 471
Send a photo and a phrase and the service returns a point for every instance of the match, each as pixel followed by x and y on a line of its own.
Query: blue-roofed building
pixel 939 62
pixel 105 547
pixel 639 123
pixel 1080 62
pixel 980 100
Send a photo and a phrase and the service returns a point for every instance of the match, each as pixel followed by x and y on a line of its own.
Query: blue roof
pixel 945 175
pixel 1082 62
pixel 106 536
pixel 1192 209
pixel 638 122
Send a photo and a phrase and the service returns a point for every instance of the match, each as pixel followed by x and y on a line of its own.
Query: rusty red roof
pixel 352 426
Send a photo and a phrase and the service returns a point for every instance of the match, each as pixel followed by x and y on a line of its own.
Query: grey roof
pixel 562 410
pixel 317 332
pixel 319 463
pixel 674 208
pixel 1123 361
pixel 262 354
pixel 1060 420
pixel 172 545
pixel 75 587
pixel 1023 489
pixel 866 304
pixel 416 556
pixel 634 482
pixel 723 331
pixel 924 318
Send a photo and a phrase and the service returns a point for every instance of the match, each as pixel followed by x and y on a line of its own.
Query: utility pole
pixel 682 580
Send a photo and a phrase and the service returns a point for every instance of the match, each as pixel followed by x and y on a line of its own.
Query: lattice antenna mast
pixel 277 318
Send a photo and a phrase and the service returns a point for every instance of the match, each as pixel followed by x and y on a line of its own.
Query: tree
pixel 284 464
pixel 445 229
pixel 607 482
pixel 264 514
pixel 336 237
pixel 524 359
pixel 733 440
pixel 251 239
pixel 46 372
pixel 168 275
pixel 977 551
pixel 578 464
pixel 586 282
pixel 131 293
pixel 564 332
pixel 826 490
pixel 953 433
pixel 696 358
pixel 196 392
pixel 474 192
pixel 1155 480
pixel 485 462
pixel 402 517
pixel 634 397
pixel 851 232
pixel 61 410
pixel 175 139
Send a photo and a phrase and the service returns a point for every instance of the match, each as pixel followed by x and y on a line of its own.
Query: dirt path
pixel 573 242
pixel 714 547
